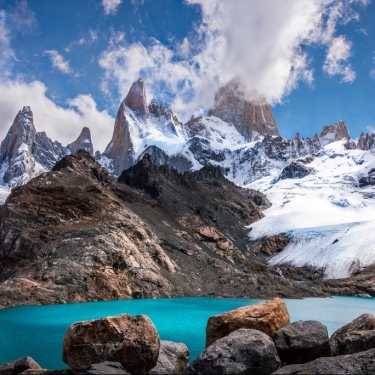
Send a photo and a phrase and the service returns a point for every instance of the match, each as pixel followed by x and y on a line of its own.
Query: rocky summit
pixel 26 153
pixel 251 118
pixel 75 234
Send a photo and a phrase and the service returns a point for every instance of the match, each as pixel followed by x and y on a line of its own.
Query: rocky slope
pixel 75 234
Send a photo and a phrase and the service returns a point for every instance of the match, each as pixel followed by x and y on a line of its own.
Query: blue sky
pixel 74 61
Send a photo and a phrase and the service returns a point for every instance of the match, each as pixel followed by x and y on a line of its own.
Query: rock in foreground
pixel 360 363
pixel 130 340
pixel 364 322
pixel 267 317
pixel 302 342
pixel 19 365
pixel 245 351
pixel 356 341
pixel 173 358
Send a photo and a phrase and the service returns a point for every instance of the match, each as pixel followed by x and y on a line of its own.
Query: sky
pixel 74 61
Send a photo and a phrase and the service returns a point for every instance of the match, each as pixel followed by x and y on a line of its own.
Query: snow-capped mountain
pixel 26 153
pixel 328 213
pixel 138 125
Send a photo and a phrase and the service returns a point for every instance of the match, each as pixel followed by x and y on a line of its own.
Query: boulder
pixel 130 340
pixel 244 351
pixel 302 342
pixel 267 317
pixel 19 365
pixel 173 358
pixel 364 322
pixel 356 341
pixel 359 363
pixel 104 368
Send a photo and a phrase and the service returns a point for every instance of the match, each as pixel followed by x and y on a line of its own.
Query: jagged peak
pixel 338 131
pixel 82 142
pixel 136 99
pixel 250 114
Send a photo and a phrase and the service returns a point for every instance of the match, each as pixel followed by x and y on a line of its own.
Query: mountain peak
pixel 83 142
pixel 136 99
pixel 252 117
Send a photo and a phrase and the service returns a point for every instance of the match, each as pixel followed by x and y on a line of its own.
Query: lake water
pixel 38 331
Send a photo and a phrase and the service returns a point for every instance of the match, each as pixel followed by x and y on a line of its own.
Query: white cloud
pixel 58 61
pixel 184 48
pixel 338 53
pixel 258 42
pixel 7 55
pixel 110 6
pixel 62 124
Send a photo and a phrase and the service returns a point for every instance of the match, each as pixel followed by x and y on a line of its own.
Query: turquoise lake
pixel 38 331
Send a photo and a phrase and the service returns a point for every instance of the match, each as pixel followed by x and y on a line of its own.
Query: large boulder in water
pixel 302 342
pixel 245 351
pixel 173 358
pixel 130 340
pixel 364 322
pixel 359 363
pixel 267 317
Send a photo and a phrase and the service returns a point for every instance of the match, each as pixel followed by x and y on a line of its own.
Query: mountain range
pixel 306 213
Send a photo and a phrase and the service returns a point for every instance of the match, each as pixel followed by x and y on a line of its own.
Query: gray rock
pixel 302 342
pixel 104 368
pixel 244 351
pixel 294 170
pixel 364 322
pixel 359 363
pixel 25 363
pixel 173 358
pixel 356 341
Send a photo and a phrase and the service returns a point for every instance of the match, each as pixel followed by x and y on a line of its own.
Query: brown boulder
pixel 267 317
pixel 130 340
pixel 365 322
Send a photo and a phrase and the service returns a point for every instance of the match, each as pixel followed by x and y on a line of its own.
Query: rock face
pixel 130 340
pixel 368 180
pixel 267 317
pixel 364 322
pixel 74 234
pixel 244 351
pixel 173 358
pixel 355 342
pixel 251 118
pixel 83 142
pixel 360 363
pixel 302 341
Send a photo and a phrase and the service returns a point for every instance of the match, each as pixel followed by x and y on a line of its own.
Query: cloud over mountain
pixel 260 43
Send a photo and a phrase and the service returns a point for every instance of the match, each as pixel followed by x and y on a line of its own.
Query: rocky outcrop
pixel 333 133
pixel 294 170
pixel 267 317
pixel 251 118
pixel 302 341
pixel 173 358
pixel 269 246
pixel 366 141
pixel 359 363
pixel 130 340
pixel 83 142
pixel 244 351
pixel 368 180
pixel 364 322
pixel 136 99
